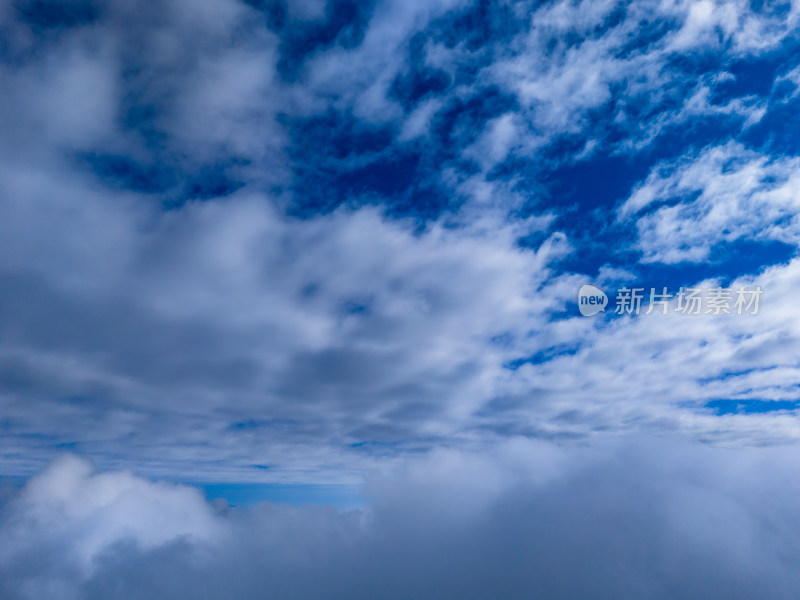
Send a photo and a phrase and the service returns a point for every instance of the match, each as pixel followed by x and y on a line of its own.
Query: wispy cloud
pixel 724 194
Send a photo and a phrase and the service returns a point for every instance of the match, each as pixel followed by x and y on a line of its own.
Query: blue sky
pixel 298 252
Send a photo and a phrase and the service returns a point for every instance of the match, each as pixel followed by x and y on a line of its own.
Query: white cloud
pixel 559 83
pixel 706 23
pixel 721 195
pixel 139 332
pixel 632 517
pixel 418 122
pixel 497 140
pixel 75 514
pixel 229 307
pixel 656 372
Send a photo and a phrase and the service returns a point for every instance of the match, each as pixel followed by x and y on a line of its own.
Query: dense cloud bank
pixel 636 518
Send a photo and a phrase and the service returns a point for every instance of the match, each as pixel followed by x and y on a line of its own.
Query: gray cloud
pixel 635 517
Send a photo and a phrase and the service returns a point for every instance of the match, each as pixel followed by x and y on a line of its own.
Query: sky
pixel 290 299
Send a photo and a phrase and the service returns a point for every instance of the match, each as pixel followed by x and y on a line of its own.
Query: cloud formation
pixel 725 194
pixel 634 517
pixel 307 237
pixel 324 242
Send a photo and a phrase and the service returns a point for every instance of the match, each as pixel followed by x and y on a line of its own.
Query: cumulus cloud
pixel 635 517
pixel 75 514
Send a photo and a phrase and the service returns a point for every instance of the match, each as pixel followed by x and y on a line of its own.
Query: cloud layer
pixel 637 517
pixel 314 237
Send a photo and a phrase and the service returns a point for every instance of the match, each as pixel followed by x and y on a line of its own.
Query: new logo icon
pixel 591 300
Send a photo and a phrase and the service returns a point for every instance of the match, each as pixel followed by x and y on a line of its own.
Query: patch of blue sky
pixel 587 191
pixel 340 160
pixel 248 425
pixel 127 173
pixel 545 355
pixel 248 494
pixel 778 131
pixel 344 23
pixel 601 181
pixel 649 33
pixel 462 121
pixel 727 375
pixel 751 76
pixel 725 263
pixel 356 306
pixel 175 186
pixel 43 15
pixel 418 80
pixel 480 25
pixel 212 181
pixel 372 445
pixel 722 407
